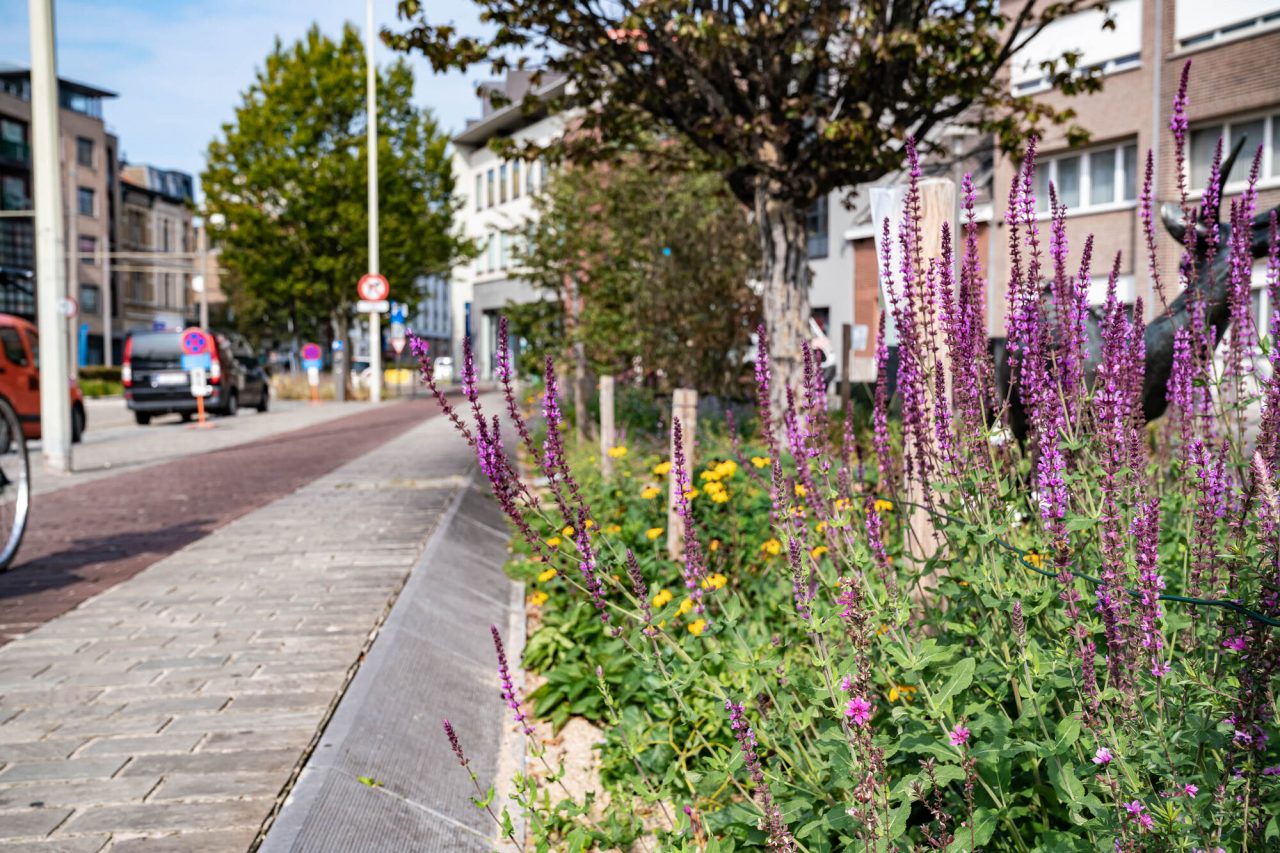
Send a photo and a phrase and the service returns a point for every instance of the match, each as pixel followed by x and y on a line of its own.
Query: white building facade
pixel 497 205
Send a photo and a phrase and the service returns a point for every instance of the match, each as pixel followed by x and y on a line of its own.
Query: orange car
pixel 20 377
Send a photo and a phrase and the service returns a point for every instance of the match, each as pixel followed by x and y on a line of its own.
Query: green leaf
pixel 1067 785
pixel 1068 732
pixel 961 678
pixel 370 781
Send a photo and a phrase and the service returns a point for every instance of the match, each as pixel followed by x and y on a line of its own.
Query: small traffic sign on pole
pixel 364 306
pixel 373 287
pixel 397 330
pixel 312 360
pixel 197 359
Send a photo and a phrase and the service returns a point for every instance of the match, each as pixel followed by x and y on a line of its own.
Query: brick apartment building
pixel 1234 47
pixel 158 248
pixel 90 199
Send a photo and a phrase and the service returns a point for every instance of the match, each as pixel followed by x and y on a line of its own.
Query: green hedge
pixel 101 372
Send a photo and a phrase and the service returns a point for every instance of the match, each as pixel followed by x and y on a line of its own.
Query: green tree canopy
pixel 290 176
pixel 791 100
pixel 650 268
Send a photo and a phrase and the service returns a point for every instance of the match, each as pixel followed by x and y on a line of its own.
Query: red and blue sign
pixel 312 356
pixel 197 350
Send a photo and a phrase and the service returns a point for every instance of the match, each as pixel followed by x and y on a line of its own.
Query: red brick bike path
pixel 85 539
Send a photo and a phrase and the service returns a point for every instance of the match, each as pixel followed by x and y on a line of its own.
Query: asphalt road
pixel 87 535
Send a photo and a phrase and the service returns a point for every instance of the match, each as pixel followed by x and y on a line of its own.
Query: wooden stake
pixel 607 437
pixel 200 411
pixel 846 352
pixel 684 405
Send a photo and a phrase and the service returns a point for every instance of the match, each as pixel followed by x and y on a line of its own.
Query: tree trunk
pixel 342 367
pixel 785 291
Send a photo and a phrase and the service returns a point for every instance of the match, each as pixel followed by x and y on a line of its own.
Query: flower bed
pixel 942 637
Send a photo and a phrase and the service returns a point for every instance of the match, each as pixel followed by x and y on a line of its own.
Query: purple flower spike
pixel 509 693
pixel 453 742
pixel 775 826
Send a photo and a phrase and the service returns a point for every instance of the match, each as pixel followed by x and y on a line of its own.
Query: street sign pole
pixel 51 254
pixel 312 360
pixel 375 332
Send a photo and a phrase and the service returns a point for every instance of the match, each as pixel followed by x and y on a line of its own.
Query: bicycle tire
pixel 15 484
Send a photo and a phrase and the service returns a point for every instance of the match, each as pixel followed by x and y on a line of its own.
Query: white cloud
pixel 179 66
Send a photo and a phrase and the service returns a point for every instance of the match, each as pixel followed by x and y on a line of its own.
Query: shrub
pixel 969 641
pixel 108 373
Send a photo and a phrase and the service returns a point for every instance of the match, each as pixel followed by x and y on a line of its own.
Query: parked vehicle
pixel 156 384
pixel 20 377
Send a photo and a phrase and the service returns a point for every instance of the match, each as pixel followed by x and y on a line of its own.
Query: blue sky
pixel 179 66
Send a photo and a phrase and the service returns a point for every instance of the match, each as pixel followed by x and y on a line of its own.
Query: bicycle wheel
pixel 15 484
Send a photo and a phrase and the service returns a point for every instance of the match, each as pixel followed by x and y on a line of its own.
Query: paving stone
pixel 143 745
pixel 217 786
pixel 244 721
pixel 212 762
pixel 38 750
pixel 71 768
pixel 75 792
pixel 189 842
pixel 30 823
pixel 176 705
pixel 259 740
pixel 296 699
pixel 79 844
pixel 186 817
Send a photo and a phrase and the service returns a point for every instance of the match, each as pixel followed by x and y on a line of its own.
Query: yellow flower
pixel 818 552
pixel 691 494
pixel 820 527
pixel 662 598
pixel 685 606
pixel 760 461
pixel 720 497
pixel 1035 559
pixel 883 505
pixel 727 468
pixel 653 533
pixel 617 452
pixel 772 546
pixel 697 626
pixel 662 468
pixel 800 490
pixel 568 532
pixel 546 575
pixel 613 528
pixel 714 546
pixel 711 476
pixel 650 493
pixel 842 504
pixel 905 692
pixel 716 581
pixel 554 541
pixel 797 511
pixel 588 524
pixel 539 598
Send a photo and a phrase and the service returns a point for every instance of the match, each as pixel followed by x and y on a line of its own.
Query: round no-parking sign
pixel 373 287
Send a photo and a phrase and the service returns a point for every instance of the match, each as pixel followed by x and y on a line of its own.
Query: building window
pixel 84 201
pixel 489 193
pixel 490 250
pixel 1094 179
pixel 13 193
pixel 502 183
pixel 1105 49
pixel 89 299
pixel 13 141
pixel 479 192
pixel 515 179
pixel 1198 22
pixel 503 251
pixel 816 226
pixel 1255 130
pixel 88 249
pixel 84 151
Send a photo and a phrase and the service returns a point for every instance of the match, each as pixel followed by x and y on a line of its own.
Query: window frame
pixel 820 212
pixel 88 162
pixel 1048 166
pixel 93 201
pixel 1269 174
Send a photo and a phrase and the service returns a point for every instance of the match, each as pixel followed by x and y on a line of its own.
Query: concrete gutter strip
pixel 433 659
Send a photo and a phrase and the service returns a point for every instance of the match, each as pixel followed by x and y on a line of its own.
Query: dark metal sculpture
pixel 1212 284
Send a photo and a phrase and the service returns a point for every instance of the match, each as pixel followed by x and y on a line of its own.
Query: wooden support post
pixel 607 437
pixel 684 405
pixel 846 352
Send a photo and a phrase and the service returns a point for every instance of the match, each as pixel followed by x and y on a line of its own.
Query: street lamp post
pixel 371 94
pixel 51 255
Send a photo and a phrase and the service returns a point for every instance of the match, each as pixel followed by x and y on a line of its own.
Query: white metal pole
pixel 51 249
pixel 204 271
pixel 375 333
pixel 107 301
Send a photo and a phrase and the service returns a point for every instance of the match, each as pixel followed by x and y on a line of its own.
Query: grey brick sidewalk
pixel 170 712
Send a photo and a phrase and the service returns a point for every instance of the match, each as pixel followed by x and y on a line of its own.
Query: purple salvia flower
pixel 1269 428
pixel 1146 533
pixel 509 693
pixel 858 710
pixel 454 744
pixel 763 404
pixel 1178 125
pixel 775 827
pixel 880 412
pixel 1146 203
pixel 695 567
pixel 587 566
pixel 641 592
pixel 421 350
